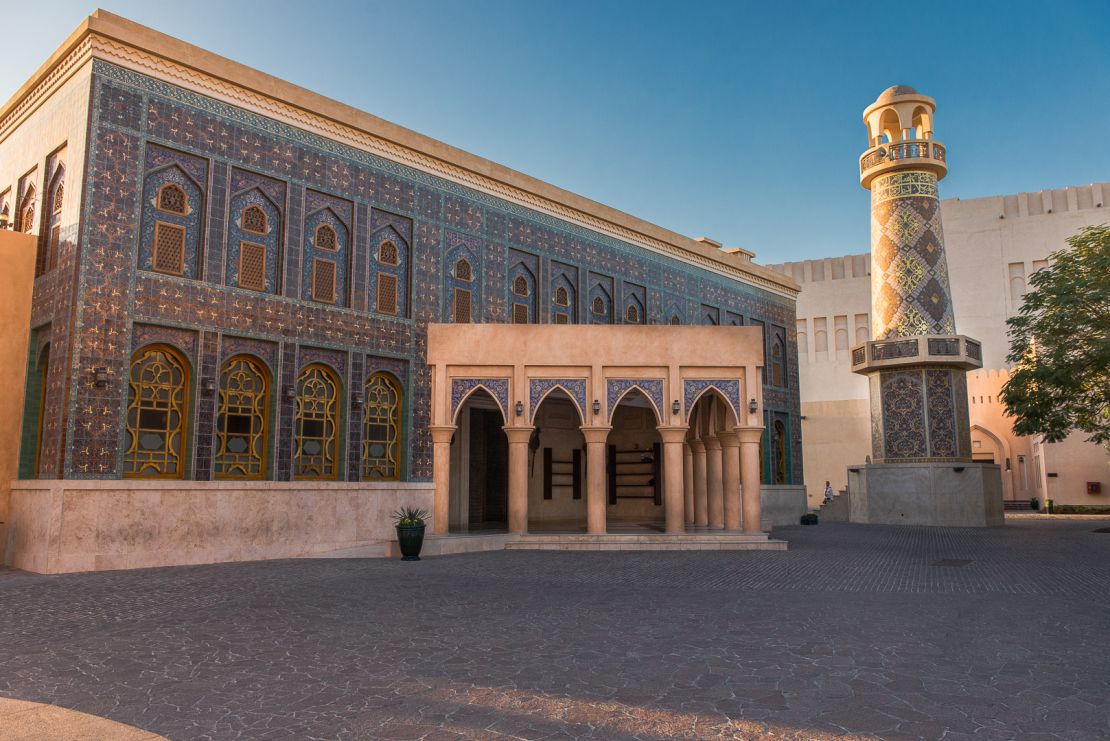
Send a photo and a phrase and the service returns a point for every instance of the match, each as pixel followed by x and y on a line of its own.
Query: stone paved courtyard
pixel 855 632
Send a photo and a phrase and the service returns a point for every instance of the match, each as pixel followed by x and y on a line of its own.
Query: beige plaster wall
pixel 17 256
pixel 1075 462
pixel 835 435
pixel 66 526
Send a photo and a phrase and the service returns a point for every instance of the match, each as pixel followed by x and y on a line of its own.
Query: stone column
pixel 674 501
pixel 518 477
pixel 714 484
pixel 749 477
pixel 730 459
pixel 441 475
pixel 597 500
pixel 688 483
pixel 701 505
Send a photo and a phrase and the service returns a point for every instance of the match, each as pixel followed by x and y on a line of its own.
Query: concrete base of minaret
pixel 939 494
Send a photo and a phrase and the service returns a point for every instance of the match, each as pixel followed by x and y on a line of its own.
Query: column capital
pixel 673 433
pixel 697 445
pixel 711 442
pixel 729 439
pixel 442 433
pixel 518 434
pixel 751 434
pixel 595 433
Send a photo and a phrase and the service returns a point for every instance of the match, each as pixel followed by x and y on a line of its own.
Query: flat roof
pixel 123 31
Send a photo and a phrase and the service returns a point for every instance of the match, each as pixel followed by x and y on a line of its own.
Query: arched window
pixel 316 424
pixel 242 419
pixel 674 319
pixel 562 297
pixel 778 376
pixel 158 405
pixel 520 286
pixel 463 271
pixel 5 216
pixel 381 444
pixel 254 220
pixel 50 238
pixel 597 306
pixel 59 197
pixel 43 377
pixel 27 211
pixel 172 199
pixel 326 238
pixel 780 452
pixel 632 314
pixel 388 254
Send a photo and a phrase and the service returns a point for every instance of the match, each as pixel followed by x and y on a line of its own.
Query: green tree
pixel 1060 344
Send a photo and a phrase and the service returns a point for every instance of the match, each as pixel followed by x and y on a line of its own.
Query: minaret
pixel 915 361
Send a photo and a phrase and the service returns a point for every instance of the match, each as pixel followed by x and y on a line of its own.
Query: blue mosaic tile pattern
pixel 616 388
pixel 254 194
pixel 729 388
pixel 312 222
pixel 575 388
pixel 498 388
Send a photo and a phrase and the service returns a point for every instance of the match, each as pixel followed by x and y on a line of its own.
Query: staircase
pixel 1017 505
pixel 834 510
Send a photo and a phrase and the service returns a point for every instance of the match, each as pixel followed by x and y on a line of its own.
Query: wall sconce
pixel 753 407
pixel 675 408
pixel 519 408
pixel 291 393
pixel 597 407
pixel 356 399
pixel 100 377
pixel 208 386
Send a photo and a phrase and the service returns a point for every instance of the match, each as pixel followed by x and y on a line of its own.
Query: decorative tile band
pixel 726 387
pixel 616 388
pixel 498 388
pixel 575 388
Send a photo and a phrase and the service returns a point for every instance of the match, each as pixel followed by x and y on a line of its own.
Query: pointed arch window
pixel 463 270
pixel 562 296
pixel 157 409
pixel 242 419
pixel 520 286
pixel 42 379
pixel 27 211
pixel 632 314
pixel 675 320
pixel 381 443
pixel 326 238
pixel 254 220
pixel 597 306
pixel 780 452
pixel 50 239
pixel 388 254
pixel 172 199
pixel 778 376
pixel 316 424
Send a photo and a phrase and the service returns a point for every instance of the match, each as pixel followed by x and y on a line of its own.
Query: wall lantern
pixel 100 377
pixel 753 407
pixel 597 407
pixel 208 386
pixel 290 392
pixel 519 409
pixel 675 407
pixel 356 399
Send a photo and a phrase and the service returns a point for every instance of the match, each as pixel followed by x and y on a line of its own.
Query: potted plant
pixel 1034 504
pixel 410 531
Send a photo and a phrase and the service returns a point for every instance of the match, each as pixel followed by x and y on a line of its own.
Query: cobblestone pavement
pixel 855 632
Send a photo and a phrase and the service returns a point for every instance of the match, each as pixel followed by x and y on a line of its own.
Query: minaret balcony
pixel 924 154
pixel 954 351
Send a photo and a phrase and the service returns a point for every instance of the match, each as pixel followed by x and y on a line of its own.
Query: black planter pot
pixel 411 539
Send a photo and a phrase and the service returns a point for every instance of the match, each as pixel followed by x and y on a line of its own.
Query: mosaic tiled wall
pixel 909 279
pixel 916 415
pixel 141 127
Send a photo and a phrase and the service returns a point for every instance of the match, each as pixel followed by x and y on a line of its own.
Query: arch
pixel 157 413
pixel 601 304
pixel 562 296
pixel 634 310
pixel 675 320
pixel 42 377
pixel 388 254
pixel 780 465
pixel 243 418
pixel 382 429
pixel 27 211
pixel 478 497
pixel 570 397
pixel 778 361
pixel 325 238
pixel 171 198
pixel 520 286
pixel 463 270
pixel 635 388
pixel 922 122
pixel 317 453
pixel 470 392
pixel 253 219
pixel 890 126
pixel 713 391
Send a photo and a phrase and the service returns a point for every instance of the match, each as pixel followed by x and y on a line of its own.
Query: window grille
pixel 461 311
pixel 252 266
pixel 326 238
pixel 387 293
pixel 674 319
pixel 632 314
pixel 597 306
pixel 168 254
pixel 323 280
pixel 316 424
pixel 172 199
pixel 520 314
pixel 156 413
pixel 562 319
pixel 562 296
pixel 388 254
pixel 59 196
pixel 463 271
pixel 254 220
pixel 520 285
pixel 381 442
pixel 242 419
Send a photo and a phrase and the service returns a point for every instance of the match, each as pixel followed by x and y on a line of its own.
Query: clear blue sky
pixel 739 121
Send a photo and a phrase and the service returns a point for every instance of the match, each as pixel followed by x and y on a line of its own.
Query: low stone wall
pixel 65 526
pixel 782 504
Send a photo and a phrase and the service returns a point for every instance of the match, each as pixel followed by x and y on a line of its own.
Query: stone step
pixel 649 542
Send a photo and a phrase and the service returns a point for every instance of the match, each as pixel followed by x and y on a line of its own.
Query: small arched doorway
pixel 557 467
pixel 479 486
pixel 634 465
pixel 986 447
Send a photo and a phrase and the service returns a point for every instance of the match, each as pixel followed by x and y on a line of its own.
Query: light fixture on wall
pixel 356 400
pixel 675 407
pixel 597 407
pixel 100 377
pixel 753 407
pixel 519 408
pixel 208 386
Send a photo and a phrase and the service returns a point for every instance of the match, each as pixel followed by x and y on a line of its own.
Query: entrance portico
pixel 610 429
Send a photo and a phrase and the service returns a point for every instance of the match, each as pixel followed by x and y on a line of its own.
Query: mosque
pixel 258 321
